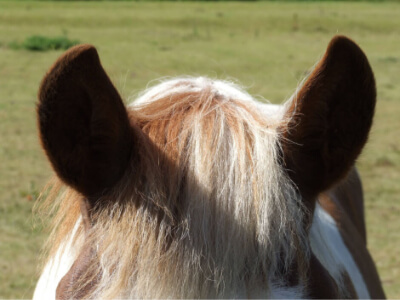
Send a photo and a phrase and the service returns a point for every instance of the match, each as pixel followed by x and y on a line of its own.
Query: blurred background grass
pixel 267 46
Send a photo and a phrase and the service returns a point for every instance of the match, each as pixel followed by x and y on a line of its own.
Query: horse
pixel 197 190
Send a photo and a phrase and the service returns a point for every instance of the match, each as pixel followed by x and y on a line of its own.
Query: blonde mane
pixel 204 209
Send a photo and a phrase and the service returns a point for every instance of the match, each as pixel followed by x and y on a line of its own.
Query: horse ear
pixel 329 118
pixel 83 123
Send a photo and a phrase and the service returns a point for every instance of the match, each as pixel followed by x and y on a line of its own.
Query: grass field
pixel 267 46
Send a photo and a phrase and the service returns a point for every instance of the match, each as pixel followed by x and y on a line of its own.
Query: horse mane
pixel 204 203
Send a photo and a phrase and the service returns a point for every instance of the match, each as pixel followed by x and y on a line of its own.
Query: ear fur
pixel 83 123
pixel 329 118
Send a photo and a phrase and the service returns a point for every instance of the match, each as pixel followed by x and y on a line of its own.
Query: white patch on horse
pixel 328 246
pixel 56 269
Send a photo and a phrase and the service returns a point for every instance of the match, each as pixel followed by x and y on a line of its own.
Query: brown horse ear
pixel 83 123
pixel 329 118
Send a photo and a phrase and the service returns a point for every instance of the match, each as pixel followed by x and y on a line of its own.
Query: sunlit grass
pixel 267 46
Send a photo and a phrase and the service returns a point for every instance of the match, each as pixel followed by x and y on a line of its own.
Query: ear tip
pixel 341 39
pixel 82 53
pixel 342 49
pixel 68 62
pixel 79 52
pixel 81 49
pixel 341 43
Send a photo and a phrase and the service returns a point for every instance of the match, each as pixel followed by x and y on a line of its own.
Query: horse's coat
pixel 329 248
pixel 196 190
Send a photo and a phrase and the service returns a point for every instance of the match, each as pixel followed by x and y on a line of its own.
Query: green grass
pixel 267 46
pixel 44 43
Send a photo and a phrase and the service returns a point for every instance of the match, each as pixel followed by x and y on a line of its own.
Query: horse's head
pixel 196 190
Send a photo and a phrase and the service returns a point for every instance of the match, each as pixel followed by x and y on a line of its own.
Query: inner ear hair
pixel 329 118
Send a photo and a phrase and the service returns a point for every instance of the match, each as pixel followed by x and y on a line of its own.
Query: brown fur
pixel 349 196
pixel 331 118
pixel 83 123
